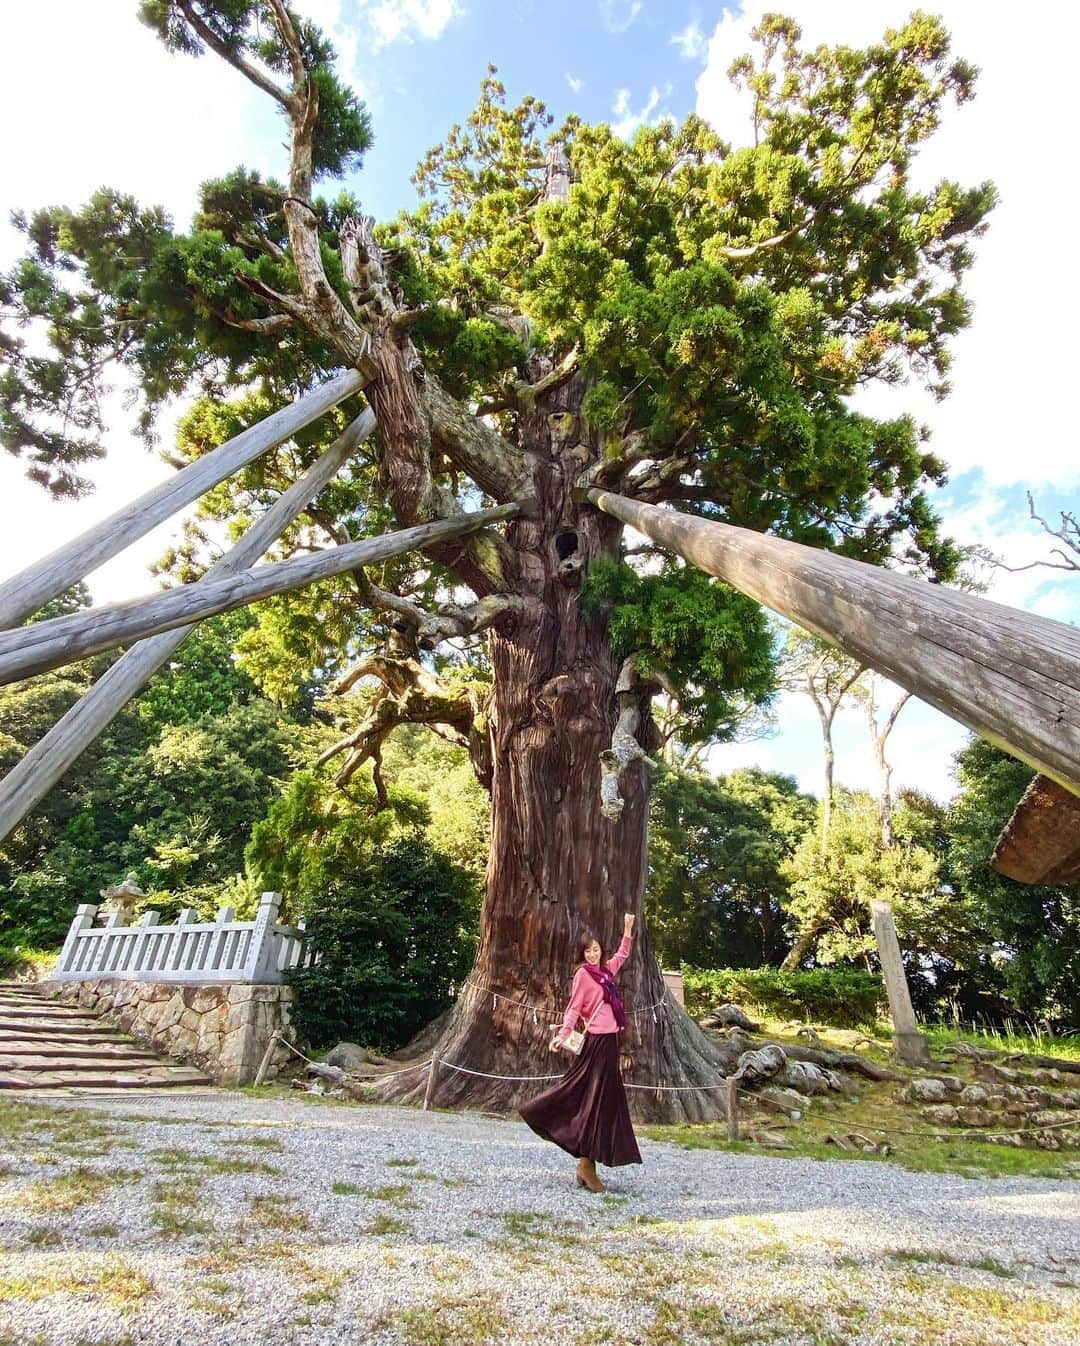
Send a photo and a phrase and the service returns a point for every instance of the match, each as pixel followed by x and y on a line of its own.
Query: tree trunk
pixel 558 867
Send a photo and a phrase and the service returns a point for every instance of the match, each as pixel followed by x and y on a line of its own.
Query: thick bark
pixel 558 866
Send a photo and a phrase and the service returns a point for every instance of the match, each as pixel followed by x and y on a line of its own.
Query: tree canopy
pixel 721 302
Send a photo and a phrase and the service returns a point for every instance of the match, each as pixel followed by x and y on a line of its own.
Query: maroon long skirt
pixel 586 1112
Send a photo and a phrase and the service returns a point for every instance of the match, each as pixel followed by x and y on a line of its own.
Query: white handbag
pixel 575 1039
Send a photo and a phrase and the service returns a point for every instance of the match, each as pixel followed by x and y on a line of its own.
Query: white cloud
pixel 618 15
pixel 691 42
pixel 1013 368
pixel 576 85
pixel 627 120
pixel 404 20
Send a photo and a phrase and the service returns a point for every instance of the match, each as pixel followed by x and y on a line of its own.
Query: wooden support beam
pixel 1012 677
pixel 29 781
pixel 27 591
pixel 29 650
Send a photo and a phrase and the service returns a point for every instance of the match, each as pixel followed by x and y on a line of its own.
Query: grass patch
pixel 175 1209
pixel 387 1224
pixel 877 1113
pixel 279 1212
pixel 105 1230
pixel 344 1189
pixel 175 1158
pixel 321 1286
pixel 1013 1038
pixel 402 1163
pixel 1010 1310
pixel 220 1304
pixel 222 1258
pixel 78 1187
pixel 920 1255
pixel 261 1143
pixel 43 1236
pixel 116 1283
pixel 527 1224
pixel 396 1192
pixel 455 1320
pixel 674 1322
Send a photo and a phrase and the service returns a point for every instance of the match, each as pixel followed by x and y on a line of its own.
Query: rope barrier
pixel 702 1088
pixel 485 1076
pixel 371 1079
pixel 528 1004
pixel 656 1088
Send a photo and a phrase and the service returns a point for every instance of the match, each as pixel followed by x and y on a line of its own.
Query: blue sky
pixel 134 117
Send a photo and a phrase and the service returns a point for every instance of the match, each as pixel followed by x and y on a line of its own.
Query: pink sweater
pixel 587 995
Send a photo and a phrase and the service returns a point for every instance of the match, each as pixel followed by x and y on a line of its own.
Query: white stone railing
pixel 187 952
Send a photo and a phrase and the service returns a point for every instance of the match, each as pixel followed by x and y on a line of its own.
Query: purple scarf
pixel 607 985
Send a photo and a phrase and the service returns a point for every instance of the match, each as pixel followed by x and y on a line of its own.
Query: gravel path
pixel 256 1220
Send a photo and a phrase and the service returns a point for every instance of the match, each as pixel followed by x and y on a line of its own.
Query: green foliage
pixel 391 927
pixel 205 681
pixel 717 892
pixel 458 806
pixel 1033 929
pixel 726 302
pixel 840 997
pixel 171 791
pixel 708 639
pixel 834 888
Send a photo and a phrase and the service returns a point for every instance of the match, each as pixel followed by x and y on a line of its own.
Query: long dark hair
pixel 583 943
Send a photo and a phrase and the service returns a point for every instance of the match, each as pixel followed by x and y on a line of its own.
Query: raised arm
pixel 623 951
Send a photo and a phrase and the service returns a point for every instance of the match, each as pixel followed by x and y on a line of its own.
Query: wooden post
pixel 27 591
pixel 29 650
pixel 430 1090
pixel 1012 677
pixel 267 1057
pixel 911 1047
pixel 733 1110
pixel 29 781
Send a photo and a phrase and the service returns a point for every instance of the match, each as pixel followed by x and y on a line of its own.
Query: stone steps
pixel 49 1048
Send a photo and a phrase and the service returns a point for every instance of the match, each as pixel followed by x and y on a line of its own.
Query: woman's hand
pixel 556 1043
pixel 628 924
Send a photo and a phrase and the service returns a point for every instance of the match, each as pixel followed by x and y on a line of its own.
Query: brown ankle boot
pixel 587 1176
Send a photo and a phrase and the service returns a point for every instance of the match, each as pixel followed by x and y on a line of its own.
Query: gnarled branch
pixel 630 690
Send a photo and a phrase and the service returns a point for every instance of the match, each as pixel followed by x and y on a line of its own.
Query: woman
pixel 586 1112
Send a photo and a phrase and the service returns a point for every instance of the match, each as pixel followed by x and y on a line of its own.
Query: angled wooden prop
pixel 30 780
pixel 27 591
pixel 44 645
pixel 1012 677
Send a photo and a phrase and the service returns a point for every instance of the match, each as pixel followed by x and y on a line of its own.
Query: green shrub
pixel 841 997
pixel 392 931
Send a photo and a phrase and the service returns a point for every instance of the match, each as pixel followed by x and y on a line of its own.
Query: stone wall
pixel 223 1029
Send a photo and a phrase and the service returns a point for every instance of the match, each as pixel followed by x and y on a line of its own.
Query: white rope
pixel 370 1079
pixel 484 1076
pixel 656 1088
pixel 528 1004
